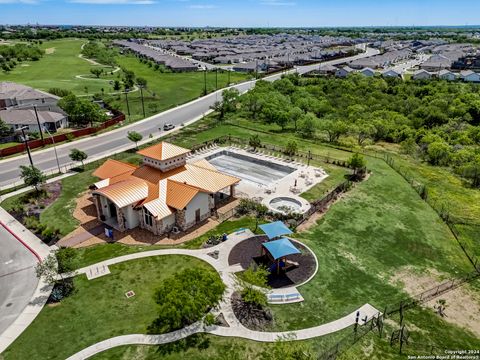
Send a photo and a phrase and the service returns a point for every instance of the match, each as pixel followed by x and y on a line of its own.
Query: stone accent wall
pixel 158 227
pixel 180 219
pixel 98 205
pixel 211 202
pixel 120 220
pixel 232 190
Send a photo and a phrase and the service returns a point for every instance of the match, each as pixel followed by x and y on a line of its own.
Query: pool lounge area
pixel 265 176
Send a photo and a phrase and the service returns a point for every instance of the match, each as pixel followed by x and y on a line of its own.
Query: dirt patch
pixel 25 65
pixel 462 304
pixel 352 258
pixel 49 51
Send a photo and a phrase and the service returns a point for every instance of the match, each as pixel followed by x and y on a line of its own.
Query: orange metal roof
pixel 204 164
pixel 179 195
pixel 158 208
pixel 112 168
pixel 163 151
pixel 204 179
pixel 125 192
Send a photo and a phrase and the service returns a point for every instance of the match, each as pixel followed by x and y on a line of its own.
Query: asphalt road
pixel 17 278
pixel 108 143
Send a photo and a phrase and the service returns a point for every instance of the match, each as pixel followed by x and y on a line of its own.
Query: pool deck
pixel 304 177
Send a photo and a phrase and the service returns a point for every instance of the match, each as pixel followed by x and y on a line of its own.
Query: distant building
pixel 470 76
pixel 17 95
pixel 421 75
pixel 18 118
pixel 367 72
pixel 343 72
pixel 391 73
pixel 436 62
pixel 447 75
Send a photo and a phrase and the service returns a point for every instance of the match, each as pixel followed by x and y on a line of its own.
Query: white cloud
pixel 18 2
pixel 278 3
pixel 200 6
pixel 113 2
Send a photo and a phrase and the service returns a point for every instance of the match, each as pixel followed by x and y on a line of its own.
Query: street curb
pixel 23 242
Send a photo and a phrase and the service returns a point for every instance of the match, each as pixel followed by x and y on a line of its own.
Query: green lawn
pixel 99 309
pixel 57 69
pixel 166 90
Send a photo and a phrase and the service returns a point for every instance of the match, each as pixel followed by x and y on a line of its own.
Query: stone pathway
pixel 235 328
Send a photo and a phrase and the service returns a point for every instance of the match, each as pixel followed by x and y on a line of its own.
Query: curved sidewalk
pixel 366 310
pixel 235 328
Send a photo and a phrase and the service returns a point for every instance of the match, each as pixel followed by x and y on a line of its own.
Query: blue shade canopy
pixel 275 229
pixel 280 248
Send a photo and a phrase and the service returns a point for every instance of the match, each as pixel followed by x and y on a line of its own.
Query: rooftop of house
pixel 28 117
pixel 163 151
pixel 11 90
pixel 161 192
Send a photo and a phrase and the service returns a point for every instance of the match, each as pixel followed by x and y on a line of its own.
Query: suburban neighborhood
pixel 295 181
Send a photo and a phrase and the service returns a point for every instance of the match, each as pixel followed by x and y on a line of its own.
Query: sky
pixel 242 13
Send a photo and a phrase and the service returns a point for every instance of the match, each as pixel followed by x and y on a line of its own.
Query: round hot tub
pixel 287 204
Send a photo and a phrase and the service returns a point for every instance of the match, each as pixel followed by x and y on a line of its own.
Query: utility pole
pixel 126 99
pixel 143 105
pixel 205 81
pixel 55 150
pixel 256 69
pixel 25 141
pixel 216 78
pixel 229 71
pixel 38 122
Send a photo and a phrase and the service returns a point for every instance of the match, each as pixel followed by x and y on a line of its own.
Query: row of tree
pixel 99 52
pixel 436 121
pixel 11 55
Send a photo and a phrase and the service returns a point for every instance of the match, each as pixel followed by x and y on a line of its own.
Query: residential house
pixel 344 72
pixel 367 72
pixel 164 193
pixel 27 119
pixel 391 73
pixel 421 75
pixel 436 62
pixel 447 75
pixel 470 76
pixel 17 95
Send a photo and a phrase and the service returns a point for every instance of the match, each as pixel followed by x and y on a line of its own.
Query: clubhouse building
pixel 164 193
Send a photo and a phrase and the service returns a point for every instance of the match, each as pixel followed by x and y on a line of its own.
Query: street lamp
pixel 25 141
pixel 126 99
pixel 54 149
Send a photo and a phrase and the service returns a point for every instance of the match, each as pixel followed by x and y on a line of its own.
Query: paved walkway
pixel 235 328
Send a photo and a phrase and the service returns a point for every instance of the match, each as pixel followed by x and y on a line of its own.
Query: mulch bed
pixel 251 316
pixel 249 251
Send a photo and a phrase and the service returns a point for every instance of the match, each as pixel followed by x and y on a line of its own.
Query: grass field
pixel 379 229
pixel 59 67
pixel 99 309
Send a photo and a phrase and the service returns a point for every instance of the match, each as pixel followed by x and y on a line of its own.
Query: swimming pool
pixel 249 168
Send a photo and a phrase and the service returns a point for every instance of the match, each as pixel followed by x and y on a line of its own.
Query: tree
pixel 81 112
pixel 4 129
pixel 291 148
pixel 185 297
pixel 307 125
pixel 333 127
pixel 253 278
pixel 363 130
pixel 254 141
pixel 229 102
pixel 96 71
pixel 53 269
pixel 32 176
pixel 356 162
pixel 78 155
pixel 134 137
pixel 471 171
pixel 438 153
pixel 116 85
